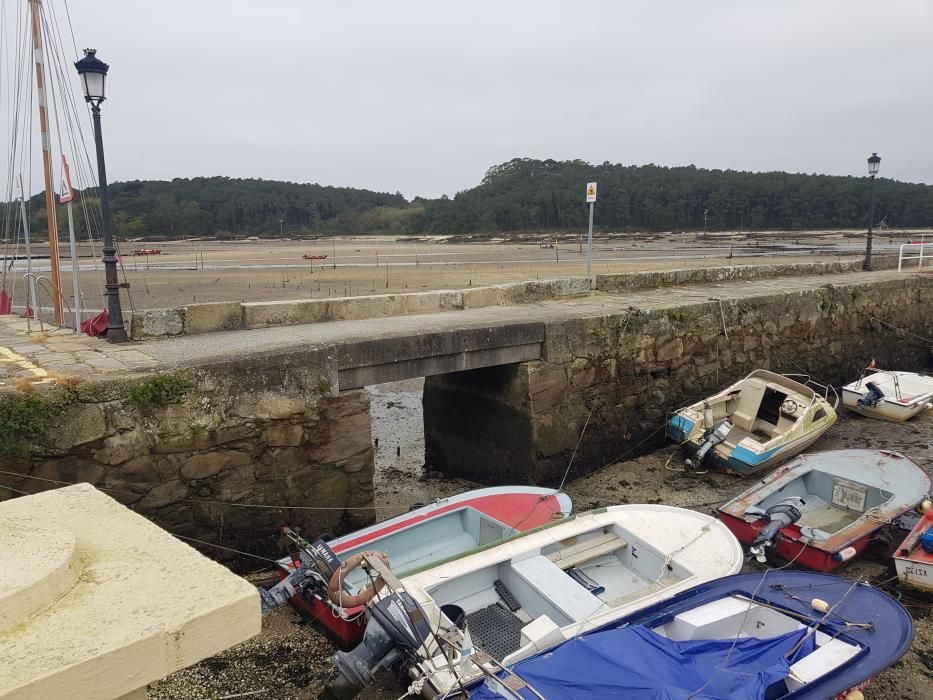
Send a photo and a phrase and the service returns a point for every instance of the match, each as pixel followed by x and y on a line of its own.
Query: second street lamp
pixel 93 74
pixel 874 162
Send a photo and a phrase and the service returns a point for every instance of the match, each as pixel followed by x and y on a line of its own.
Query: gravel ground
pixel 289 661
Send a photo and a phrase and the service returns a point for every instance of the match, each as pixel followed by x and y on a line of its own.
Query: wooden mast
pixel 51 212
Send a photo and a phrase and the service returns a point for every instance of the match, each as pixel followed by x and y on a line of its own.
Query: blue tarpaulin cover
pixel 637 664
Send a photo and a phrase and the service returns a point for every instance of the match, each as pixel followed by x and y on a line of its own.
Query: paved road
pixel 36 356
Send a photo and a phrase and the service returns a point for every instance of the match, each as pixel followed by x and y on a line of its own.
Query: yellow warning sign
pixel 591 192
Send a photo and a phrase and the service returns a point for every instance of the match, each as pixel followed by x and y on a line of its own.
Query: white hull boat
pixel 756 423
pixel 896 396
pixel 539 589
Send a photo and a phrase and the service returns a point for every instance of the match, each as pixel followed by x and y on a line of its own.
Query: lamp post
pixel 873 163
pixel 93 73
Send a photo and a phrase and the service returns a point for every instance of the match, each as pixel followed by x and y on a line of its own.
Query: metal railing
pixel 923 248
pixel 44 284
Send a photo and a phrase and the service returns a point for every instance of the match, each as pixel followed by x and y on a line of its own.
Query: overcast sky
pixel 423 95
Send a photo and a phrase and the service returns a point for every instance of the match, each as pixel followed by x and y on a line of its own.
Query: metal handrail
pixel 50 288
pixel 922 246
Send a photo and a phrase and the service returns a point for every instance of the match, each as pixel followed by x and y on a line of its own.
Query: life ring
pixel 340 597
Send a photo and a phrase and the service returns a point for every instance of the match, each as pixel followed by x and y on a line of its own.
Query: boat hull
pixel 790 548
pixel 516 509
pixel 890 638
pixel 906 394
pixel 846 469
pixel 914 565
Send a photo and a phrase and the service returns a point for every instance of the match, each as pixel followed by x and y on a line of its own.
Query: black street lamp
pixel 93 74
pixel 873 163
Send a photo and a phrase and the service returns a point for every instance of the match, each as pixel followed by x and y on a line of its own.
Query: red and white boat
pixel 424 537
pixel 913 560
pixel 824 508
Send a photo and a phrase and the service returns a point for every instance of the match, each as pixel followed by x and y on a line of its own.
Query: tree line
pixel 528 194
pixel 521 195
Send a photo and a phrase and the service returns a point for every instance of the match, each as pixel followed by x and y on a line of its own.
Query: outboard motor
pixel 712 438
pixel 397 624
pixel 778 516
pixel 872 398
pixel 317 564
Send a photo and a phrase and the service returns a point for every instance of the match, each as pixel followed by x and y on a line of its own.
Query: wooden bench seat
pixel 567 557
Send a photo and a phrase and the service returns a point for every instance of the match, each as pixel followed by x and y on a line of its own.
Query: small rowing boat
pixel 782 635
pixel 756 423
pixel 824 508
pixel 896 396
pixel 424 537
pixel 913 559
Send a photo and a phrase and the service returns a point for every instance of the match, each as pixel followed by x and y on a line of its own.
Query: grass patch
pixel 23 421
pixel 158 391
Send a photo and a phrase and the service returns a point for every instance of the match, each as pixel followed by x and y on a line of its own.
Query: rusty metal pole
pixel 51 211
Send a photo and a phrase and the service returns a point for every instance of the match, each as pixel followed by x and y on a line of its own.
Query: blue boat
pixel 780 635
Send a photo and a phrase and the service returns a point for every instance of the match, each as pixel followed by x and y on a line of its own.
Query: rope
pixel 902 330
pixel 220 546
pixel 574 455
pixel 203 501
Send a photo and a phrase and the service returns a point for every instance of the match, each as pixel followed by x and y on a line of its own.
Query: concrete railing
pixel 631 281
pixel 205 318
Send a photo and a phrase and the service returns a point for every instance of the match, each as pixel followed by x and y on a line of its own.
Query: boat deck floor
pixel 824 516
pixel 496 630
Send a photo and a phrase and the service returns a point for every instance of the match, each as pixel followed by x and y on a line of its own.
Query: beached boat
pixel 423 537
pixel 782 635
pixel 539 589
pixel 895 396
pixel 913 559
pixel 756 423
pixel 825 508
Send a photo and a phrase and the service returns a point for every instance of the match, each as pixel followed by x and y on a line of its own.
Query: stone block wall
pixel 621 375
pixel 271 432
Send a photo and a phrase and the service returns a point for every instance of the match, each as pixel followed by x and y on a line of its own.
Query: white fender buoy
pixel 819 605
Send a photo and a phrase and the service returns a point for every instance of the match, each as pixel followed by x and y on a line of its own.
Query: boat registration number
pixel 915 571
pixel 848 494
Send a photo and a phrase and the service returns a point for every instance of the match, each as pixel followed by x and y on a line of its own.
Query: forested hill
pixel 531 194
pixel 208 206
pixel 523 194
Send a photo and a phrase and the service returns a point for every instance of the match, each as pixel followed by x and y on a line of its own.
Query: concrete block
pixel 219 316
pixel 258 314
pixel 84 561
pixel 156 323
pixel 356 308
pixel 478 297
pixel 431 302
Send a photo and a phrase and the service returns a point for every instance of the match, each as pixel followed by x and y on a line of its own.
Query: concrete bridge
pixel 276 414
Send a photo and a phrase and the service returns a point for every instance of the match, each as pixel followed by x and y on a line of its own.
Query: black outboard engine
pixel 872 398
pixel 711 438
pixel 397 624
pixel 317 564
pixel 778 516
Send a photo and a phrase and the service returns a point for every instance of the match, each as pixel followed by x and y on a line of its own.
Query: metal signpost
pixel 591 200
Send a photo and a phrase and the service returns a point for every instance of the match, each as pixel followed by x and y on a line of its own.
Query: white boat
pixel 888 395
pixel 756 423
pixel 537 590
pixel 913 560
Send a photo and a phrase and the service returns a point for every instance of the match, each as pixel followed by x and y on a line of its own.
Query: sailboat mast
pixel 51 212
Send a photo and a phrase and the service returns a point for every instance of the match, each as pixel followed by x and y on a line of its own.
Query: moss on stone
pixel 24 421
pixel 158 391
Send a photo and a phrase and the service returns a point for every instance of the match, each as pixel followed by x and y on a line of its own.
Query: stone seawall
pixel 621 375
pixel 194 450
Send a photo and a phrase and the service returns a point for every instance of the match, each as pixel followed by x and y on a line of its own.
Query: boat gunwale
pixel 845 537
